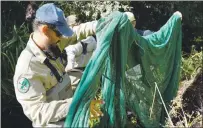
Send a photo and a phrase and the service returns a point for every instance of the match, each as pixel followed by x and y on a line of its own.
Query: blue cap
pixel 51 14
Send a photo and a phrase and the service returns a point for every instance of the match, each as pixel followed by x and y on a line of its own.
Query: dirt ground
pixel 187 108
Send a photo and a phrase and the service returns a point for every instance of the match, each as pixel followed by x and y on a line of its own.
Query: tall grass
pixel 11 47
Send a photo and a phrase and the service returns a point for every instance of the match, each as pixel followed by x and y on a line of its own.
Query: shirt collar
pixel 36 50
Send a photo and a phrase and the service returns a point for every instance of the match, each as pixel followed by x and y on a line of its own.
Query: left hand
pixel 95 110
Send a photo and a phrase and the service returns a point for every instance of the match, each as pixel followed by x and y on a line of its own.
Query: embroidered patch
pixel 23 85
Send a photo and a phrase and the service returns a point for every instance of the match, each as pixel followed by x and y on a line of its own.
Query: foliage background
pixel 149 15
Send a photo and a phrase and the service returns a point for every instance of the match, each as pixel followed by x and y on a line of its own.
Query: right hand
pixel 94 110
pixel 179 13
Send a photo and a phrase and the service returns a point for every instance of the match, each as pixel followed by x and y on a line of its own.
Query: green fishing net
pixel 127 67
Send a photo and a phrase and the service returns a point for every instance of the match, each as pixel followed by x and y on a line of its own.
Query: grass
pixel 190 64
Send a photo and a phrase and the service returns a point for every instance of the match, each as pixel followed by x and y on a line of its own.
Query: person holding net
pixel 132 19
pixel 42 86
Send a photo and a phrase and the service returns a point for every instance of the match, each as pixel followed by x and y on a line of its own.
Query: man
pixel 29 14
pixel 42 86
pixel 79 54
pixel 132 19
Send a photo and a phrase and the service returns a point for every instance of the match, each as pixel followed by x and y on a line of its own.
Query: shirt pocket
pixel 50 81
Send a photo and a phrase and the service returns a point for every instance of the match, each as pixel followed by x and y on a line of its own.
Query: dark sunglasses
pixel 53 27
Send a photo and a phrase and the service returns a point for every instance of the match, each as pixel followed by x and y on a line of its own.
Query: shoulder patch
pixel 23 85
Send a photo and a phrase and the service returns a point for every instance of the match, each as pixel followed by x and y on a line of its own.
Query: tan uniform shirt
pixel 35 84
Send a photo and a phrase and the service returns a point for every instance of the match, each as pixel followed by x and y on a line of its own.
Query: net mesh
pixel 126 66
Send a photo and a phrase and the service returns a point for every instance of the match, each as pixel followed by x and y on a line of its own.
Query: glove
pixel 95 109
pixel 179 13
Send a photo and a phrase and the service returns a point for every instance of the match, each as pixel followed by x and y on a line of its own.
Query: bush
pixel 190 64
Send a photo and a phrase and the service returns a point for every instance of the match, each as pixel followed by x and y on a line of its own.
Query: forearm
pixel 85 29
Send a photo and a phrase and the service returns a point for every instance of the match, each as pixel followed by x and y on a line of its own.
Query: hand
pixel 95 110
pixel 179 13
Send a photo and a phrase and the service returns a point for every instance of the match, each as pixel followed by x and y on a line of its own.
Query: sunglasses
pixel 53 27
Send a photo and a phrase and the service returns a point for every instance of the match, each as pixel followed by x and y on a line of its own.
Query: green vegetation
pixel 150 15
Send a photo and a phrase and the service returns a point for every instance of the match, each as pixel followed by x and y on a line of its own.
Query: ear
pixel 44 29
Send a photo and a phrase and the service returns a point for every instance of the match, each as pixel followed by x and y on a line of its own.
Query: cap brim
pixel 65 30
